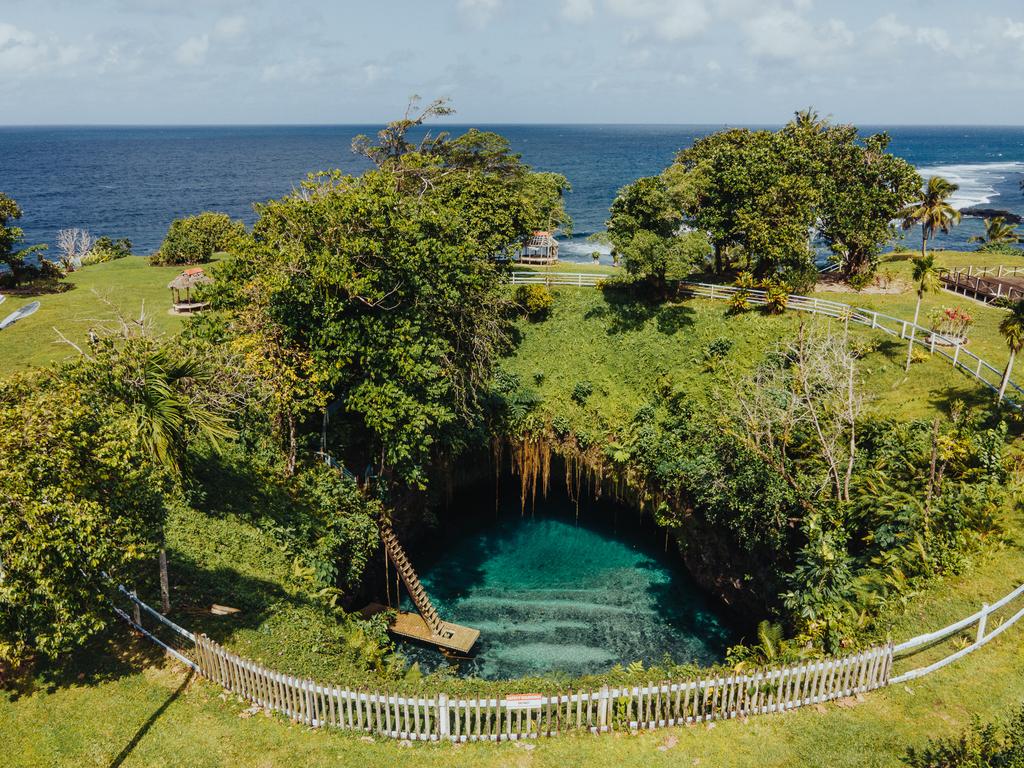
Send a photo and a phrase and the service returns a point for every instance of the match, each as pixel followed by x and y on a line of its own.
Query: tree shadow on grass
pixel 626 312
pixel 144 728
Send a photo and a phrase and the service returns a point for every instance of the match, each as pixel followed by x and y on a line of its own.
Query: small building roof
pixel 190 278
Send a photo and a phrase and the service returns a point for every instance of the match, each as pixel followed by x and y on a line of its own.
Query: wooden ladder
pixel 419 596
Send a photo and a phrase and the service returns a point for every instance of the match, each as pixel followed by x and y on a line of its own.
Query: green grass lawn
pixel 128 707
pixel 98 294
pixel 133 710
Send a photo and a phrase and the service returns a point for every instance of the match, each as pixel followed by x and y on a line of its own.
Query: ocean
pixel 132 181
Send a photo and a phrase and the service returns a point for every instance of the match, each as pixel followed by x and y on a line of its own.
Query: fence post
pixel 1000 272
pixel 602 709
pixel 903 330
pixel 136 611
pixel 981 624
pixel 874 319
pixel 956 355
pixel 970 270
pixel 442 716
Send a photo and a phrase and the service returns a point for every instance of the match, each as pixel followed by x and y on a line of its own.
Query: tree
pixel 79 502
pixel 864 188
pixel 11 236
pixel 74 245
pixel 933 211
pixel 382 293
pixel 170 398
pixel 658 259
pixel 765 195
pixel 195 239
pixel 999 235
pixel 1012 329
pixel 644 227
pixel 926 278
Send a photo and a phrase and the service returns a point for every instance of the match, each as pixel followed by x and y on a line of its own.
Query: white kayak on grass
pixel 18 314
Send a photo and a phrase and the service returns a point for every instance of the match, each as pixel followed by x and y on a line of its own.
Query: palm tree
pixel 167 400
pixel 997 234
pixel 933 212
pixel 926 278
pixel 1012 328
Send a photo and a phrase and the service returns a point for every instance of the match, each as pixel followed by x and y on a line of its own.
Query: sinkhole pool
pixel 551 593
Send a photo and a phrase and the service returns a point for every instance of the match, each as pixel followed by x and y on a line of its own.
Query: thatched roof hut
pixel 539 248
pixel 183 284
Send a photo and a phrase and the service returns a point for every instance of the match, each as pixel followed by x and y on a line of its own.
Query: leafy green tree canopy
pixel 194 239
pixel 12 236
pixel 382 293
pixel 77 498
pixel 763 195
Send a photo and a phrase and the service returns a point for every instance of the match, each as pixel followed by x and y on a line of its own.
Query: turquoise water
pixel 549 595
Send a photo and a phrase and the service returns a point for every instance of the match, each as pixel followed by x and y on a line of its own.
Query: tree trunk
pixel 924 242
pixel 292 446
pixel 165 589
pixel 718 259
pixel 910 348
pixel 1006 375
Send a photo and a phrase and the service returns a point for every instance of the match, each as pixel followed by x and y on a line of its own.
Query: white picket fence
pixel 437 716
pixel 948 348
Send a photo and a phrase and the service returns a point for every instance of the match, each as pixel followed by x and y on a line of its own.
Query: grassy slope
pixel 97 295
pixel 89 721
pixel 627 351
pixel 621 350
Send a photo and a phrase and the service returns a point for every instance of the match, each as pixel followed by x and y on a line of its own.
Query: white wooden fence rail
pixel 948 348
pixel 437 716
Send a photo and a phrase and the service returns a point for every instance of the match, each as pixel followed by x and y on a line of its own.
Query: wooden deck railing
pixel 436 716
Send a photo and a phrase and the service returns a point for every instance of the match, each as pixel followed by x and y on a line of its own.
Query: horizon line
pixel 457 124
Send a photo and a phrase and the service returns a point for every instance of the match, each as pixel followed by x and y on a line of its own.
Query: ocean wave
pixel 977 181
pixel 579 248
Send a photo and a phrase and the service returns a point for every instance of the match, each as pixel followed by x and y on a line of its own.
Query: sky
pixel 502 61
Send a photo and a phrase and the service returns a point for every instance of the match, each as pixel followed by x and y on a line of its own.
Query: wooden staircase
pixel 419 595
pixel 428 626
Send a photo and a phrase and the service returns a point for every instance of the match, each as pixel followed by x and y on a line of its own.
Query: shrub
pixel 534 300
pixel 105 249
pixel 715 350
pixel 561 426
pixel 776 295
pixel 195 239
pixel 995 744
pixel 583 390
pixel 860 280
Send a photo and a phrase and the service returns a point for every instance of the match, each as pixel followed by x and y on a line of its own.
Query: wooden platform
pixel 985 287
pixel 412 626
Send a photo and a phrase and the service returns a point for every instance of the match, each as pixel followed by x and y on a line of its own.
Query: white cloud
pixel 930 37
pixel 230 27
pixel 193 51
pixel 578 10
pixel 671 20
pixel 786 35
pixel 479 12
pixel 22 52
pixel 375 72
pixel 1013 30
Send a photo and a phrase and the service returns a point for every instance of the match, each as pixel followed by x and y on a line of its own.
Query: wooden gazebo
pixel 539 248
pixel 181 287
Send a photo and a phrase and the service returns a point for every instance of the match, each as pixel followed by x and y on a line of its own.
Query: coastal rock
pixel 988 213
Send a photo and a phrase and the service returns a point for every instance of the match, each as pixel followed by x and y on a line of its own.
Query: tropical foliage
pixel 13 257
pixel 381 293
pixel 999 235
pixel 990 745
pixel 932 212
pixel 195 239
pixel 760 194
